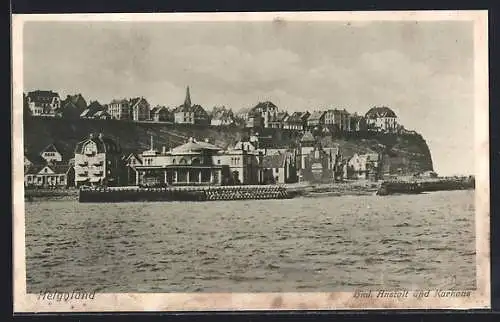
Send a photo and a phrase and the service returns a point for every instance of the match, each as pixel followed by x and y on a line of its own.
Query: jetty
pixel 203 193
pixel 416 186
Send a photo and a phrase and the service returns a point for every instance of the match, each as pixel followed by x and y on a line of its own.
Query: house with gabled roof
pixel 139 109
pixel 363 166
pixel 280 168
pixel 161 114
pixel 358 123
pixel 254 120
pixel 187 113
pixel 381 118
pixel 267 110
pixel 49 176
pixel 98 161
pixel 221 116
pixel 119 109
pixel 52 154
pixel 337 120
pixel 102 115
pixel 73 106
pixel 277 121
pixel 92 108
pixel 316 119
pixel 296 121
pixel 132 160
pixel 43 103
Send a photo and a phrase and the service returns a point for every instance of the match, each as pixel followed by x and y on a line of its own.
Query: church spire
pixel 187 101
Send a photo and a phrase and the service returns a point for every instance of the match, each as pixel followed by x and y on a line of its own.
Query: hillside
pixel 401 153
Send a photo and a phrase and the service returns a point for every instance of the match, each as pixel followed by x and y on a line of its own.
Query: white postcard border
pixel 260 301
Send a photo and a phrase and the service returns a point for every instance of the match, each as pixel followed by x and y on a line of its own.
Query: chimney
pixel 151 143
pixel 91 135
pixel 101 135
pixel 164 150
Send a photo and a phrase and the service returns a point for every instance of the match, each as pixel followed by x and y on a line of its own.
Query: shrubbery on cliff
pixel 406 153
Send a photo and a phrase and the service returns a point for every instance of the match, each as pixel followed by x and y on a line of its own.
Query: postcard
pixel 251 161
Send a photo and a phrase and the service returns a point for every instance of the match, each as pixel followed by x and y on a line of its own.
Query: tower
pixel 187 100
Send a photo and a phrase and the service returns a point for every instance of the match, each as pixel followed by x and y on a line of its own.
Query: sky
pixel 424 71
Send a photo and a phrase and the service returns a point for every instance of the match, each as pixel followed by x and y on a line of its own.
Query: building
pixel 192 163
pixel 221 116
pixel 296 121
pixel 199 163
pixel 201 116
pixel 321 165
pixel 338 120
pixel 267 110
pixel 358 123
pixel 381 119
pixel 161 114
pixel 92 108
pixel 72 107
pixel 131 161
pixel 363 166
pixel 27 163
pixel 43 103
pixel 190 114
pixel 51 154
pixel 222 120
pixel 316 120
pixel 254 120
pixel 244 161
pixel 102 115
pixel 139 109
pixel 277 121
pixel 119 109
pixel 98 161
pixel 280 168
pixel 49 176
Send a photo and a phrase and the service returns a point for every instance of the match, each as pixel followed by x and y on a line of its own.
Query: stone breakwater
pixel 50 194
pixel 128 194
pixel 425 185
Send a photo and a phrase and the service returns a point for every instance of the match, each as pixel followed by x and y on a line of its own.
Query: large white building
pixel 381 119
pixel 43 103
pixel 98 161
pixel 198 163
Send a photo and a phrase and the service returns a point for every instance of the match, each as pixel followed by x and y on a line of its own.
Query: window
pixel 218 161
pixel 61 178
pixel 173 161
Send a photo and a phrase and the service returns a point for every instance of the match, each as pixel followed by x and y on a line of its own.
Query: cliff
pixel 401 153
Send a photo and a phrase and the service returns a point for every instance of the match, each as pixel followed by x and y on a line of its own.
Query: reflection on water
pixel 303 244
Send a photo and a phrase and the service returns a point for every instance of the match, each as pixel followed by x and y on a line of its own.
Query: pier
pixel 425 185
pixel 129 194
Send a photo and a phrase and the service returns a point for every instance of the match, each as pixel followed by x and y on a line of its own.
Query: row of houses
pixel 99 160
pixel 267 115
pixel 263 115
pixel 48 104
